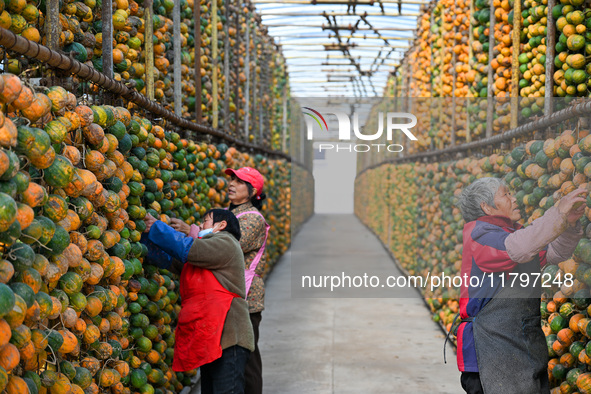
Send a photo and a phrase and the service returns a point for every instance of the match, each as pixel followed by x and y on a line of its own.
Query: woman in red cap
pixel 245 192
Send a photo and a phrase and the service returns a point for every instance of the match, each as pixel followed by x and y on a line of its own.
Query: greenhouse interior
pixel 211 210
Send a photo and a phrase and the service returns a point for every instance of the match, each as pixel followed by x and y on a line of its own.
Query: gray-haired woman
pixel 501 346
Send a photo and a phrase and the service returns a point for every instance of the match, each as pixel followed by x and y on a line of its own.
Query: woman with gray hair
pixel 501 345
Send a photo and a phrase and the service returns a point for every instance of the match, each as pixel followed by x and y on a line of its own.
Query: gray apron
pixel 510 345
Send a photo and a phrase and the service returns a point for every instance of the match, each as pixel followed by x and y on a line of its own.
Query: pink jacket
pixel 552 230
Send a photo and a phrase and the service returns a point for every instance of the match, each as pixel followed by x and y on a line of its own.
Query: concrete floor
pixel 331 344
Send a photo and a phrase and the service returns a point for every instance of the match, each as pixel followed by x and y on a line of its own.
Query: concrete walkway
pixel 348 345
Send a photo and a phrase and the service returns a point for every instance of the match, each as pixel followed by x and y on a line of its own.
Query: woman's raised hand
pixel 150 220
pixel 573 205
pixel 180 226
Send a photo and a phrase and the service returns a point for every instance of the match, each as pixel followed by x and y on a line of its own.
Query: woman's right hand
pixel 573 205
pixel 150 220
pixel 180 226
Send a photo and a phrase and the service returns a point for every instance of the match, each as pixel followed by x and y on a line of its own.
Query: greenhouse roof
pixel 340 48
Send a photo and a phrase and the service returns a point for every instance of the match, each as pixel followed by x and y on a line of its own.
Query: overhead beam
pixel 401 50
pixel 341 27
pixel 353 36
pixel 311 69
pixel 341 46
pixel 334 64
pixel 308 14
pixel 316 57
pixel 321 81
pixel 341 2
pixel 328 82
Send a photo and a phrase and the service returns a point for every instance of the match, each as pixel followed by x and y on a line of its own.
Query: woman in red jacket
pixel 245 191
pixel 214 331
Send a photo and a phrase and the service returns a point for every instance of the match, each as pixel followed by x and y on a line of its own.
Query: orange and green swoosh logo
pixel 316 118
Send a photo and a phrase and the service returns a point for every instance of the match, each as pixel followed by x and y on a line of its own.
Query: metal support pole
pixel 236 63
pixel 149 49
pixel 52 24
pixel 214 55
pixel 431 55
pixel 58 60
pixel 408 103
pixel 491 45
pixel 442 55
pixel 442 51
pixel 470 56
pixel 178 87
pixel 284 121
pixel 453 95
pixel 255 80
pixel 107 38
pixel 550 52
pixel 247 72
pixel 227 67
pixel 470 35
pixel 197 33
pixel 515 62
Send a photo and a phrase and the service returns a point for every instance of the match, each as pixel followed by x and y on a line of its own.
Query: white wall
pixel 335 180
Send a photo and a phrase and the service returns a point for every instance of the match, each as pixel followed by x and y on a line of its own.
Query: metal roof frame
pixel 358 29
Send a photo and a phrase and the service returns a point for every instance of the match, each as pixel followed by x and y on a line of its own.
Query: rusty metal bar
pixel 53 27
pixel 442 52
pixel 284 121
pixel 470 56
pixel 63 62
pixel 491 50
pixel 197 33
pixel 226 66
pixel 107 53
pixel 247 72
pixel 431 53
pixel 550 52
pixel 515 63
pixel 408 99
pixel 214 55
pixel 149 32
pixel 178 94
pixel 575 110
pixel 255 81
pixel 453 93
pixel 236 67
pixel 255 85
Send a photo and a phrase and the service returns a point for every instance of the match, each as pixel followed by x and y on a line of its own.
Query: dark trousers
pixel 254 367
pixel 226 374
pixel 471 383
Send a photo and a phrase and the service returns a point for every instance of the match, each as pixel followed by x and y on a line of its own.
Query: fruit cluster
pixel 80 34
pixel 423 229
pixel 81 309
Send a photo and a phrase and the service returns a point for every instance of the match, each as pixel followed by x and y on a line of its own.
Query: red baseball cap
pixel 250 175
